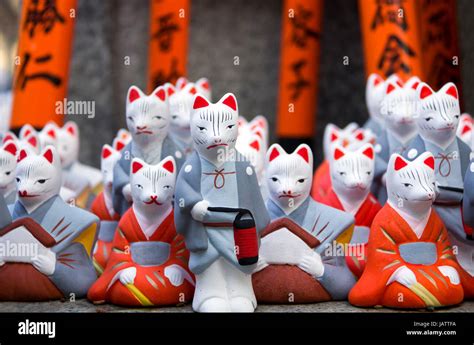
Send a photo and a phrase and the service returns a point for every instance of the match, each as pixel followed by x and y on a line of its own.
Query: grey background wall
pixel 108 31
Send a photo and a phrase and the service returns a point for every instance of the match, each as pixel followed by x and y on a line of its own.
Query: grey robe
pixel 204 247
pixel 122 171
pixel 337 279
pixel 65 224
pixel 374 126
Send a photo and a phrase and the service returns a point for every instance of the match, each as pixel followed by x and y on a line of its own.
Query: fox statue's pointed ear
pixel 375 79
pixel 255 144
pixel 169 89
pixel 71 128
pixel 274 151
pixel 229 100
pixel 451 90
pixel 204 83
pixel 338 152
pixel 118 144
pixel 200 102
pixel 32 140
pixel 9 136
pixel 10 147
pixel 137 164
pixel 424 91
pixel 48 154
pixel 26 130
pixel 106 151
pixel 391 86
pixel 181 83
pixel 22 155
pixel 168 164
pixel 160 93
pixel 304 151
pixel 368 151
pixel 399 162
pixel 133 94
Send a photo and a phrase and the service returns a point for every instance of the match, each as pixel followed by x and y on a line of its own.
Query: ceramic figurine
pixel 464 131
pixel 374 95
pixel 204 88
pixel 410 261
pixel 148 265
pixel 399 110
pixel 7 171
pixel 219 210
pixel 68 148
pixel 148 121
pixel 102 207
pixel 60 237
pixel 299 262
pixel 49 135
pixel 181 103
pixel 437 122
pixel 28 143
pixel 350 137
pixel 252 143
pixel 352 173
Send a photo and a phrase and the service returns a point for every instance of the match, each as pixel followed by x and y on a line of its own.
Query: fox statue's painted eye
pixel 408 185
pixel 17 179
pixel 8 173
pixel 41 181
pixel 274 179
pixel 301 180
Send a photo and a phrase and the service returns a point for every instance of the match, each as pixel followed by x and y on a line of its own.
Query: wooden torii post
pixel 42 62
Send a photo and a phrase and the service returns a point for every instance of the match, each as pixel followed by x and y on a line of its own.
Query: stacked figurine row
pixel 192 203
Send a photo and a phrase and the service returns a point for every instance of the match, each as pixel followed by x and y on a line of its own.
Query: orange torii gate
pixel 42 63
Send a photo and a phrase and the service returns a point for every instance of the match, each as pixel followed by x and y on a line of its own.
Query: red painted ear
pixel 7 137
pixel 48 155
pixel 136 166
pixel 334 136
pixel 106 152
pixel 27 132
pixel 51 133
pixel 338 154
pixel 255 144
pixel 119 145
pixel 274 154
pixel 369 152
pixel 22 155
pixel 205 85
pixel 181 83
pixel 303 152
pixel 193 91
pixel 377 80
pixel 399 163
pixel 466 129
pixel 425 92
pixel 161 94
pixel 11 148
pixel 71 129
pixel 430 162
pixel 399 83
pixel 200 102
pixel 415 85
pixel 452 91
pixel 360 136
pixel 133 95
pixel 230 102
pixel 32 141
pixel 170 90
pixel 390 88
pixel 168 165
